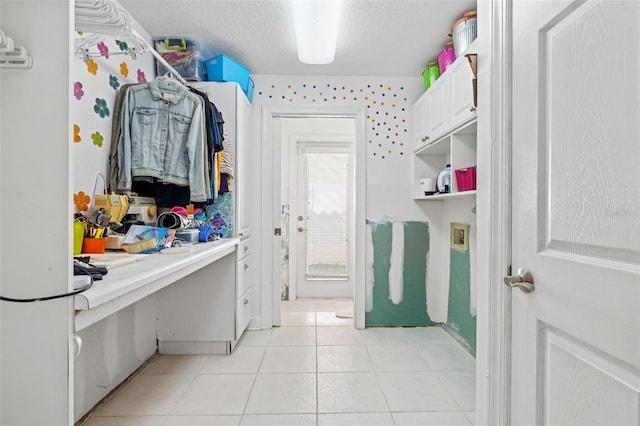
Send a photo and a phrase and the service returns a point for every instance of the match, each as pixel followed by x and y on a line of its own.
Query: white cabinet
pixel 445 129
pixel 462 108
pixel 236 111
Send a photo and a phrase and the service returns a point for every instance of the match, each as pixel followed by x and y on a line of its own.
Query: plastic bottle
pixel 444 180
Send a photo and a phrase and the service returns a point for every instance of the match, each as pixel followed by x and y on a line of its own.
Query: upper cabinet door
pixel 420 122
pixel 438 109
pixel 461 93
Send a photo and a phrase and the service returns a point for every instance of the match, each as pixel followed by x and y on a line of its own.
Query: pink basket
pixel 445 58
pixel 466 179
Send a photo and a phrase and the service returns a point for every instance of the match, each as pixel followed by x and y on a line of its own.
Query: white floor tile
pixel 298 305
pixel 329 319
pixel 279 420
pixel 293 336
pixel 335 359
pixel 244 359
pixel 215 394
pixel 385 336
pixel 125 421
pixel 431 419
pixel 255 338
pixel 283 394
pixel 396 358
pixel 355 419
pixel 339 336
pixel 147 395
pixel 461 385
pixel 202 421
pixel 427 335
pixel 350 393
pixel 449 356
pixel 296 319
pixel 289 359
pixel 176 364
pixel 412 391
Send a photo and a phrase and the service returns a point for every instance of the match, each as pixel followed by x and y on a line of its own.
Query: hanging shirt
pixel 162 137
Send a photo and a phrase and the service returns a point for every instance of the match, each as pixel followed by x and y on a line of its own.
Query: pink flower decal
pixel 77 90
pixel 104 50
pixel 141 77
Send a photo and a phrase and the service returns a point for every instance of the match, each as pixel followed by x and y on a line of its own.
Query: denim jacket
pixel 162 137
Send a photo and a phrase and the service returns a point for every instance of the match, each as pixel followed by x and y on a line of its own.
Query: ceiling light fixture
pixel 316 25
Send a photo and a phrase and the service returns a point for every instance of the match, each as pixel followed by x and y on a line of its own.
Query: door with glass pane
pixel 322 221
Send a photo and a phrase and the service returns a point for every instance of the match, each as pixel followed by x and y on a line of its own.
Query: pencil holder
pixel 94 245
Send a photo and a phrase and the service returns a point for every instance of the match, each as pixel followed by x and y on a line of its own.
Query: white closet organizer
pixel 205 314
pixel 444 130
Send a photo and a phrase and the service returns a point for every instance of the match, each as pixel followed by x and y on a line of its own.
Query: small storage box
pixel 188 235
pixel 466 179
pixel 223 68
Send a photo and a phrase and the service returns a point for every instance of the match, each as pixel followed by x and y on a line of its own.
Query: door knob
pixel 300 229
pixel 524 280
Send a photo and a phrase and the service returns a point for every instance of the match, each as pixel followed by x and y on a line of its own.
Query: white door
pixel 575 353
pixel 321 221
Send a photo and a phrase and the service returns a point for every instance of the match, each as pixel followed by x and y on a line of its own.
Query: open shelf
pixel 447 196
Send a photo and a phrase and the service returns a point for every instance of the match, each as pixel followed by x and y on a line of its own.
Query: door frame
pixel 343 143
pixel 271 216
pixel 493 363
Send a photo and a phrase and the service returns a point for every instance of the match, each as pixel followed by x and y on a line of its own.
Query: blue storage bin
pixel 223 68
pixel 249 91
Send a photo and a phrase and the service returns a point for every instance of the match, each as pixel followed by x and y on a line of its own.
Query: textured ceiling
pixel 376 37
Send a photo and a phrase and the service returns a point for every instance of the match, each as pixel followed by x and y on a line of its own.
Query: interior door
pixel 575 353
pixel 322 222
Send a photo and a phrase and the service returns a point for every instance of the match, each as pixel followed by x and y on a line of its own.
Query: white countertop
pixel 127 284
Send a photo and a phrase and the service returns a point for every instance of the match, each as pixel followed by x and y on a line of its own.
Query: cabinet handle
pixel 472 108
pixel 246 266
pixel 246 301
pixel 241 234
pixel 246 248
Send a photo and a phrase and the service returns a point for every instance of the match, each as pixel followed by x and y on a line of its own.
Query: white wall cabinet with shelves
pixel 445 127
pixel 446 105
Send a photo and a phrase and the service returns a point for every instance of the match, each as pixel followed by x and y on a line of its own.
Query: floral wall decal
pixel 122 45
pixel 81 200
pixel 77 90
pixel 141 77
pixel 97 139
pixel 101 108
pixel 124 69
pixel 113 82
pixel 92 67
pixel 104 50
pixel 76 133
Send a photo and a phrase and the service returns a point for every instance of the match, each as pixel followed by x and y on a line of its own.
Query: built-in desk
pixel 130 283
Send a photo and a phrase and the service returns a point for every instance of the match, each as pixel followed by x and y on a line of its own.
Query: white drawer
pixel 244 248
pixel 243 312
pixel 243 275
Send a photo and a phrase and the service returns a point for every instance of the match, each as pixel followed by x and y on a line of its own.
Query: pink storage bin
pixel 466 179
pixel 446 57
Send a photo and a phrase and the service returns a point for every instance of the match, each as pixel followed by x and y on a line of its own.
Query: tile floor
pixel 315 369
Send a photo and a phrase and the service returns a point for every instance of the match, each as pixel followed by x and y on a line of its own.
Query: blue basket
pixel 223 68
pixel 249 91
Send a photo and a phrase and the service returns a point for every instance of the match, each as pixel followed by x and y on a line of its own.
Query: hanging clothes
pixel 162 137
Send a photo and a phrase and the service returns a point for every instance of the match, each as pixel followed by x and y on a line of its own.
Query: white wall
pixel 35 217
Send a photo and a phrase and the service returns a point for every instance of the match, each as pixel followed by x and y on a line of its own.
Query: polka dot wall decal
pixel 383 133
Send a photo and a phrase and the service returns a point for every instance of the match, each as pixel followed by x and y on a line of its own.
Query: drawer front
pixel 244 249
pixel 243 312
pixel 243 275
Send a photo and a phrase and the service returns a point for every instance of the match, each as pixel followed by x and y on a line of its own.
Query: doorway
pixel 317 194
pixel 339 136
